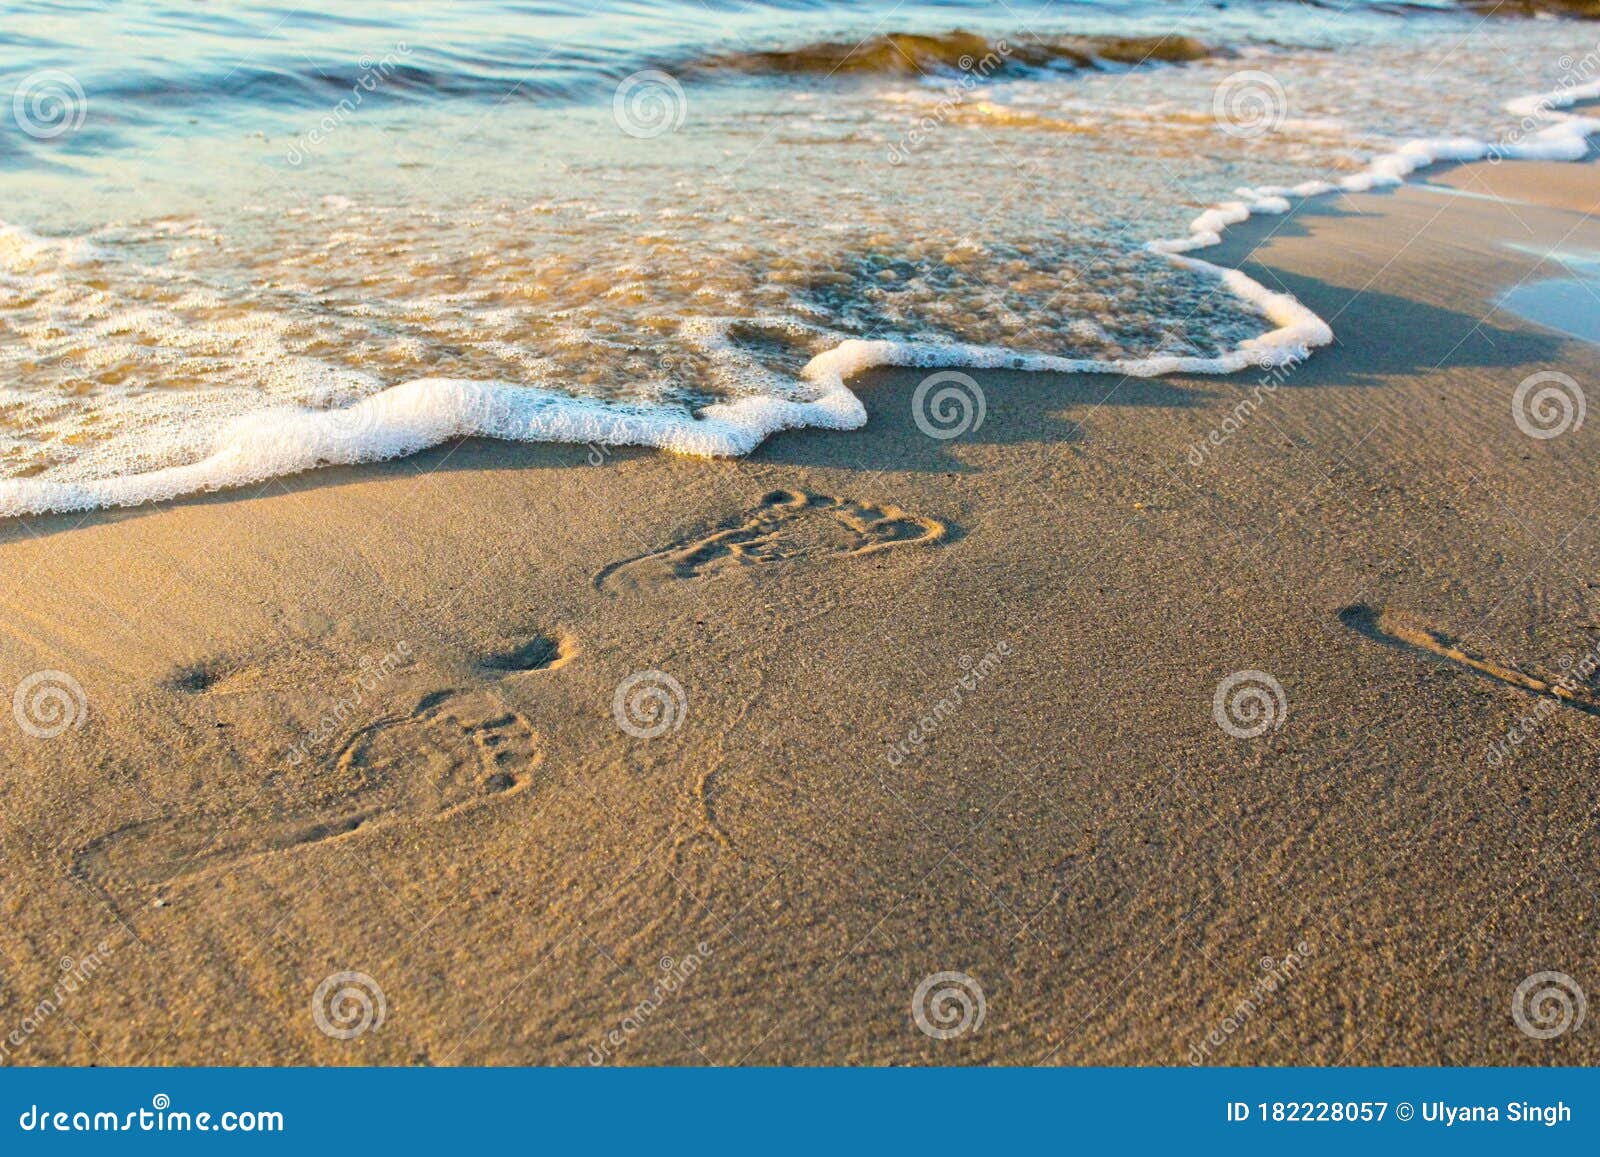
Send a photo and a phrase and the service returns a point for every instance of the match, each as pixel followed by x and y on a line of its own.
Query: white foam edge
pixel 415 415
pixel 30 246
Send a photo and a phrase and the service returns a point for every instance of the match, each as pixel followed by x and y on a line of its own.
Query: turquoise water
pixel 242 239
pixel 1569 303
pixel 166 63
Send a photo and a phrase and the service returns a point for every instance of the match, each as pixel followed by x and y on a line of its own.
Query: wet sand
pixel 924 706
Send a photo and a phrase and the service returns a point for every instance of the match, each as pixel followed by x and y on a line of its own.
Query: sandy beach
pixel 591 755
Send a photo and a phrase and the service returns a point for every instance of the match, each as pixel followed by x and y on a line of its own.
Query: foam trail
pixel 1566 139
pixel 412 416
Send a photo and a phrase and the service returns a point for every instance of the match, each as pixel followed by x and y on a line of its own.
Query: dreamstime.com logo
pixel 932 719
pixel 336 718
pixel 1276 974
pixel 673 975
pixel 1249 103
pixel 972 71
pixel 1244 410
pixel 1249 703
pixel 947 405
pixel 948 1004
pixel 160 1117
pixel 1548 404
pixel 1571 684
pixel 350 424
pixel 48 104
pixel 1535 112
pixel 649 103
pixel 1548 1004
pixel 48 703
pixel 623 431
pixel 648 704
pixel 347 1005
pixel 373 75
pixel 75 975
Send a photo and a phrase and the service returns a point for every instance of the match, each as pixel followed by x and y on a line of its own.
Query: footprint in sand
pixel 537 651
pixel 221 675
pixel 451 754
pixel 786 525
pixel 1395 630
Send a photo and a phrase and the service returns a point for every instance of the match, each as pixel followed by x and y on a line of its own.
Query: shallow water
pixel 679 225
pixel 1570 304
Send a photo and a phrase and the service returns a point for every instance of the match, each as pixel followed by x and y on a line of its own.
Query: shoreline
pixel 401 420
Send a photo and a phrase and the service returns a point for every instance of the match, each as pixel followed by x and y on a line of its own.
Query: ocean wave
pixel 902 54
pixel 371 285
pixel 412 73
pixel 1582 9
pixel 407 418
pixel 534 68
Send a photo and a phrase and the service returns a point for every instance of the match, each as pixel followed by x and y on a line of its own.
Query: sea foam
pixel 423 412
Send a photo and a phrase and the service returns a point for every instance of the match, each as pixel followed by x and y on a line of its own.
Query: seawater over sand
pixel 339 241
pixel 1570 303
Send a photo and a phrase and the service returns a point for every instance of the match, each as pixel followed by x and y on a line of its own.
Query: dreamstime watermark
pixel 1239 416
pixel 975 673
pixel 1548 1004
pixel 1249 103
pixel 1548 404
pixel 1535 112
pixel 351 423
pixel 948 1004
pixel 160 1117
pixel 623 431
pixel 1569 684
pixel 49 103
pixel 947 405
pixel 519 415
pixel 373 75
pixel 347 1005
pixel 648 704
pixel 1249 703
pixel 74 975
pixel 373 674
pixel 1275 976
pixel 973 71
pixel 673 974
pixel 649 103
pixel 47 703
